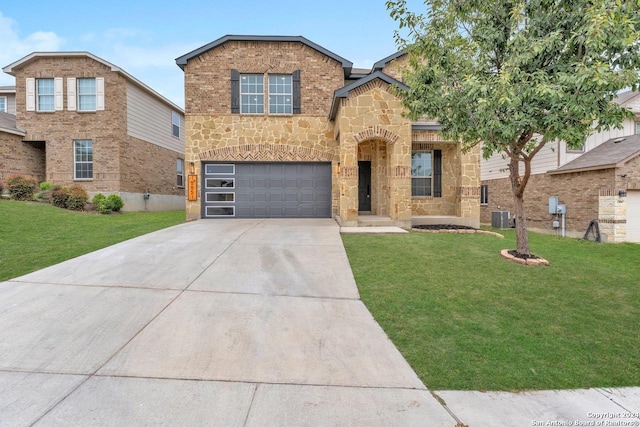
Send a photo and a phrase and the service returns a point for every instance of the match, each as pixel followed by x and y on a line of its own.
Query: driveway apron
pixel 223 322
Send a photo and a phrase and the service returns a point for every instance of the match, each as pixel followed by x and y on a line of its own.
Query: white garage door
pixel 633 216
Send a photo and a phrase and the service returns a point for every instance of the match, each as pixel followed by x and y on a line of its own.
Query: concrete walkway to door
pixel 223 322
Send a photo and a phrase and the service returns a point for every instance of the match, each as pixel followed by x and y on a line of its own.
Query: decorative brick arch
pixel 267 153
pixel 376 132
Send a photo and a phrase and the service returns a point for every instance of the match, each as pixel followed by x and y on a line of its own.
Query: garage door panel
pixel 633 216
pixel 264 190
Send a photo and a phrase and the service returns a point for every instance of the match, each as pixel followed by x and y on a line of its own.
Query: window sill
pixel 422 197
pixel 83 179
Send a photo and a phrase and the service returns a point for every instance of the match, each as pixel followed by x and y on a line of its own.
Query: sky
pixel 145 37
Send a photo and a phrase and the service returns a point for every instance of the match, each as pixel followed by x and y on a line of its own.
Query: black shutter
pixel 235 92
pixel 437 173
pixel 296 92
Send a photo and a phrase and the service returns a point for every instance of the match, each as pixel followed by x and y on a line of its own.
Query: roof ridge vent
pixel 617 140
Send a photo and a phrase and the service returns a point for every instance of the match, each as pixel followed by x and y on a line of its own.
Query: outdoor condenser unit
pixel 500 219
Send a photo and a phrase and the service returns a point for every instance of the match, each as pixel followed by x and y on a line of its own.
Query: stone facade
pixel 368 124
pixel 121 163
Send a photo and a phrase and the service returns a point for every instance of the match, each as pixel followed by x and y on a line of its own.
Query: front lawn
pixel 465 319
pixel 36 235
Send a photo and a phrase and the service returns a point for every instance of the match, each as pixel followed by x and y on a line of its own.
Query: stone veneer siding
pixel 213 133
pixel 17 157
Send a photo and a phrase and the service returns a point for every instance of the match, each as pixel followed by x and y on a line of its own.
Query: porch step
pixel 375 221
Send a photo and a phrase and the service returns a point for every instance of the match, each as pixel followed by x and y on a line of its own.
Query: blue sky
pixel 145 37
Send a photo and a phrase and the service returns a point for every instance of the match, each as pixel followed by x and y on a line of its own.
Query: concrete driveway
pixel 230 322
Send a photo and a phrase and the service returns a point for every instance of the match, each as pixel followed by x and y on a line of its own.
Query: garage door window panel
pixel 220 211
pixel 220 183
pixel 220 169
pixel 220 197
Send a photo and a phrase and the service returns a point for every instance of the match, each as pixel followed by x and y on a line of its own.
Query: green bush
pixel 45 185
pixel 106 205
pixel 116 202
pixel 21 187
pixel 76 198
pixel 98 198
pixel 59 196
pixel 1 187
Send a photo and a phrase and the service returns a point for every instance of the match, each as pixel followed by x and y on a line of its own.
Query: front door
pixel 364 186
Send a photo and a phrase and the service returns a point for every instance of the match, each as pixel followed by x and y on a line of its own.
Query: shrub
pixel 59 196
pixel 76 198
pixel 21 187
pixel 98 198
pixel 106 205
pixel 116 202
pixel 44 186
pixel 1 187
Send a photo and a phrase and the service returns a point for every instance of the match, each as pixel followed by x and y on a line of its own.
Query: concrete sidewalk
pixel 230 323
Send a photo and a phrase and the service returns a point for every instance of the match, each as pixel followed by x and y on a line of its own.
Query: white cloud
pixel 15 47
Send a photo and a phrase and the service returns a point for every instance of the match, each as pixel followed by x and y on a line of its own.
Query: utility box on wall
pixel 500 219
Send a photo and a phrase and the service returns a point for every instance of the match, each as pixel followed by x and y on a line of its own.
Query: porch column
pixel 348 181
pixel 469 190
pixel 400 182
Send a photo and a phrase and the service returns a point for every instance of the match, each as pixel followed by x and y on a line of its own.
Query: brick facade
pixel 121 163
pixel 588 195
pixel 17 157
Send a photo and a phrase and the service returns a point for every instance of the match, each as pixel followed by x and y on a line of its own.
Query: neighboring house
pixel 8 99
pixel 82 120
pixel 600 181
pixel 278 126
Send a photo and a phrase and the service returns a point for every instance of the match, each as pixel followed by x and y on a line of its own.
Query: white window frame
pixel 233 197
pixel 233 169
pixel 278 91
pixel 245 107
pixel 233 210
pixel 484 194
pixel 180 173
pixel 575 150
pixel 638 128
pixel 233 182
pixel 415 175
pixel 51 95
pixel 80 95
pixel 77 162
pixel 175 124
pixel 4 106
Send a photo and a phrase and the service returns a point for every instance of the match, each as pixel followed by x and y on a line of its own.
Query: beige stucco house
pixel 278 126
pixel 75 118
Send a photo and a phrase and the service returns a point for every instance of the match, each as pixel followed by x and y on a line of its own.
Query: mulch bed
pixel 443 227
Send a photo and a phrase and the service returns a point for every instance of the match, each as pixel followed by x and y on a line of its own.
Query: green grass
pixel 36 235
pixel 466 319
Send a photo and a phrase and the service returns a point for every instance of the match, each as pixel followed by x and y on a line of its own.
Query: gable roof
pixel 10 69
pixel 625 97
pixel 344 91
pixel 182 60
pixel 8 124
pixel 378 66
pixel 611 154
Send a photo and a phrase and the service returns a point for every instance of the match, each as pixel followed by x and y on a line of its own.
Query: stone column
pixel 348 181
pixel 612 216
pixel 400 182
pixel 469 190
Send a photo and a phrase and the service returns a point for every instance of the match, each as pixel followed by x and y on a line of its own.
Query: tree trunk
pixel 518 185
pixel 522 237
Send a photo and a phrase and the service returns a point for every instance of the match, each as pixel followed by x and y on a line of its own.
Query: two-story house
pixel 599 181
pixel 278 126
pixel 82 120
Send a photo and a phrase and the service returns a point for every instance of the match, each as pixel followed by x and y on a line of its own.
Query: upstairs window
pixel 175 124
pixel 3 104
pixel 45 94
pixel 638 128
pixel 248 93
pixel 280 94
pixel 86 94
pixel 83 159
pixel 252 94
